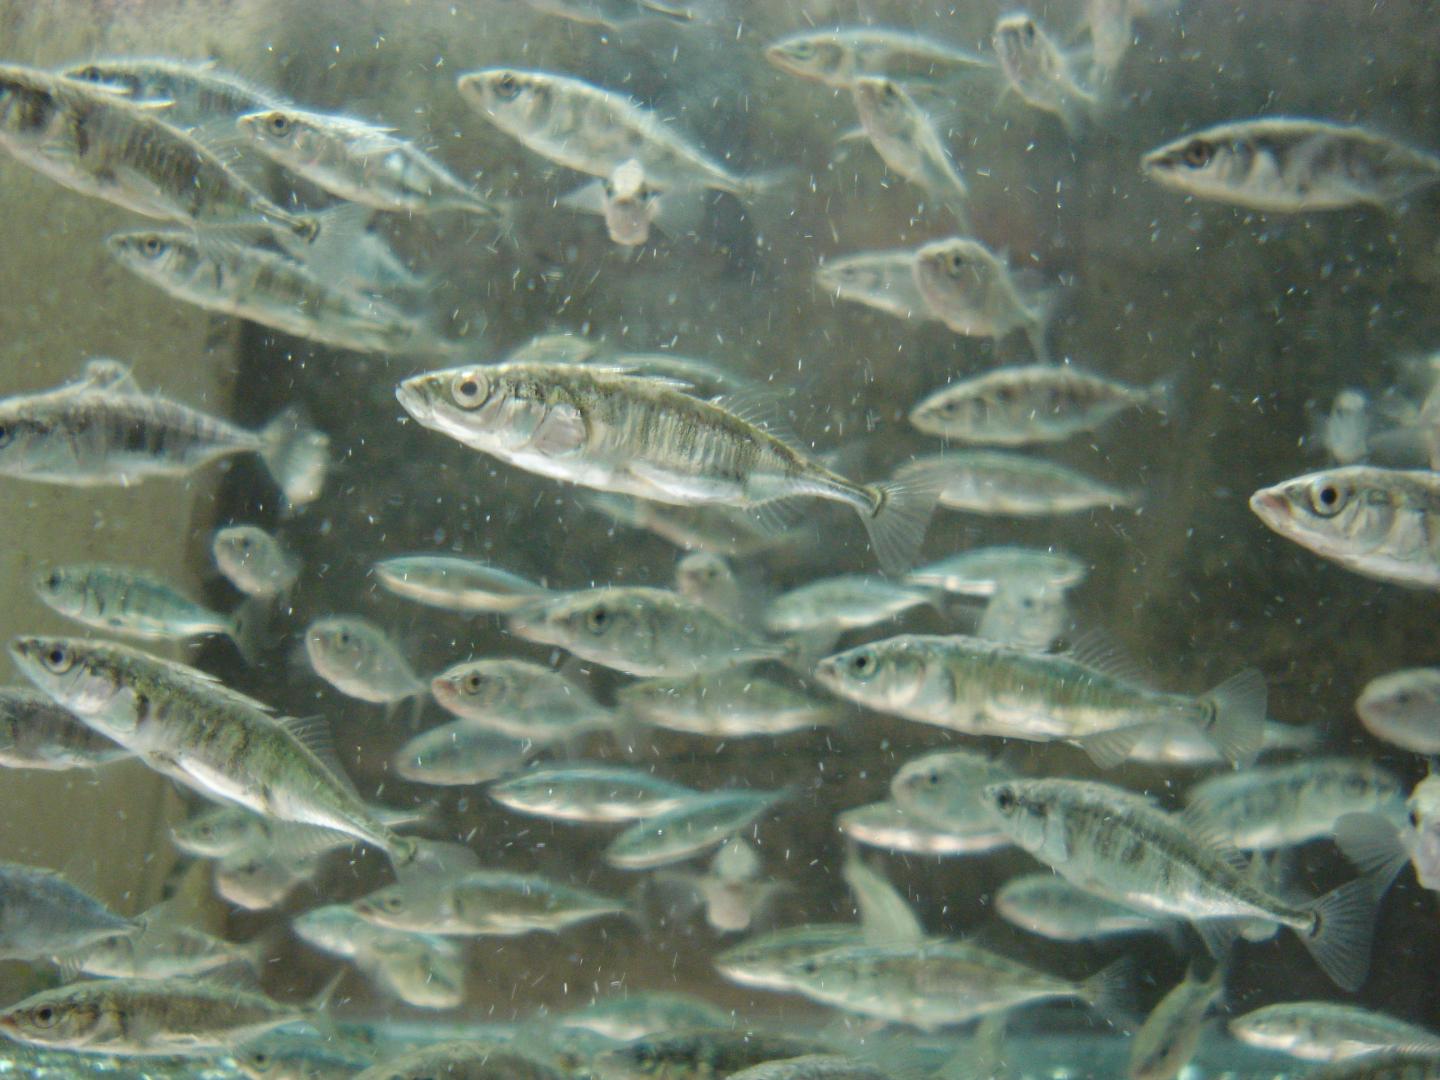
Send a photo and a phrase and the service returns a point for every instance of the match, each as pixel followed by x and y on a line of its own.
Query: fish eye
pixel 5 434
pixel 1028 30
pixel 598 619
pixel 933 777
pixel 802 50
pixel 278 124
pixel 244 543
pixel 469 389
pixel 863 665
pixel 507 86
pixel 53 579
pixel 889 91
pixel 90 74
pixel 1326 499
pixel 1197 153
pixel 45 1016
pixel 150 247
pixel 1415 819
pixel 58 659
pixel 1005 801
pixel 472 683
pixel 954 263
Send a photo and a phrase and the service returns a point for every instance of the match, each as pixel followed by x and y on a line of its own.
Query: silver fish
pixel 35 733
pixel 101 430
pixel 764 962
pixel 942 789
pixel 633 1016
pixel 1330 1031
pixel 187 726
pixel 163 949
pixel 995 482
pixel 260 880
pixel 639 436
pixel 130 602
pixel 461 753
pixel 592 130
pixel 841 603
pixel 984 571
pixel 283 1056
pixel 709 580
pixel 187 94
pixel 359 161
pixel 1050 906
pixel 100 144
pixel 45 916
pixel 383 954
pixel 1188 747
pixel 1024 615
pixel 465 1059
pixel 483 903
pixel 1039 72
pixel 614 14
pixel 734 703
pixel 909 142
pixel 591 793
pixel 1024 405
pixel 1170 1035
pixel 696 825
pixel 1288 165
pixel 812 1067
pixel 1403 708
pixel 887 825
pixel 973 292
pixel 884 280
pixel 357 658
pixel 838 57
pixel 1120 846
pixel 631 204
pixel 697 1055
pixel 721 529
pixel 455 584
pixel 518 699
pixel 1375 522
pixel 254 561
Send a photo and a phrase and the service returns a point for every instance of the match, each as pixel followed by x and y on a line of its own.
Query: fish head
pixel 257 882
pixel 1024 50
pixel 514 101
pixel 821 57
pixel 951 411
pixel 216 833
pixel 702 575
pixel 944 783
pixel 883 103
pixel 63 589
pixel 401 907
pixel 157 255
pixel 1336 513
pixel 955 276
pixel 65 1018
pixel 1404 700
pixel 283 133
pixel 29 107
pixel 243 554
pixel 1275 1029
pixel 107 76
pixel 628 220
pixel 602 619
pixel 334 928
pixel 474 687
pixel 1206 163
pixel 477 405
pixel 1024 813
pixel 80 675
pixel 879 675
pixel 28 443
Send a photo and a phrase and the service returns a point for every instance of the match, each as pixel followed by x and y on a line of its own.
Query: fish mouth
pixel 1269 507
pixel 412 399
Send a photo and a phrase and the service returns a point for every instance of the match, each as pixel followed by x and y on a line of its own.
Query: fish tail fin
pixel 1373 843
pixel 317 1009
pixel 1343 930
pixel 1237 711
pixel 297 455
pixel 1111 989
pixel 901 511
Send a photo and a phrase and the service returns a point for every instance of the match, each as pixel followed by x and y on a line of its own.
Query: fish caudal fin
pixel 1344 929
pixel 901 513
pixel 1237 718
pixel 297 455
pixel 1372 843
pixel 1112 988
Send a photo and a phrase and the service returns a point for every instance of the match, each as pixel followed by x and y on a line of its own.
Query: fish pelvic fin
pixel 297 455
pixel 1236 724
pixel 900 513
pixel 1343 930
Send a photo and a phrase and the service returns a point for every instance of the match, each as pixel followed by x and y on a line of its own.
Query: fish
pixel 935 983
pixel 466 1059
pixel 592 130
pixel 46 916
pixel 633 1016
pixel 254 561
pixel 909 142
pixel 100 144
pixel 131 602
pixel 1345 430
pixel 163 949
pixel 1170 1035
pixel 984 571
pixel 518 699
pixel 642 631
pixel 35 733
pixel 710 1054
pixel 492 903
pixel 1120 846
pixel 1378 844
pixel 813 1067
pixel 981 688
pixel 638 436
pixel 614 14
pixel 1038 403
pixel 1372 521
pixel 630 204
pixel 357 658
pixel 392 958
pixel 1329 1031
pixel 730 704
pixel 1283 805
pixel 733 891
pixel 460 753
pixel 973 292
pixel 842 603
pixel 271 288
pixel 261 880
pixel 149 1017
pixel 1024 615
pixel 218 832
pixel 590 793
pixel 708 579
pixel 187 94
pixel 838 57
pixel 101 430
pixel 1040 72
pixel 209 738
pixel 1048 905
pixel 724 530
pixel 1403 708
pixel 696 825
pixel 455 584
pixel 764 962
pixel 1292 165
pixel 1111 26
pixel 886 825
pixel 359 161
pixel 997 483
pixel 884 280
pixel 283 1056
pixel 1189 747
pixel 942 789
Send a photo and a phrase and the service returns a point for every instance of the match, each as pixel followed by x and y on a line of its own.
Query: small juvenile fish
pixel 1019 406
pixel 838 57
pixel 129 602
pixel 634 1016
pixel 972 291
pixel 163 950
pixel 709 580
pixel 221 831
pixel 886 825
pixel 699 1055
pixel 391 958
pixel 357 658
pixel 591 130
pixel 1120 846
pixel 1403 708
pixel 273 289
pixel 1188 747
pixel 100 144
pixel 721 529
pixel 590 793
pixel 696 825
pixel 1280 806
pixel 187 94
pixel 734 703
pixel 261 880
pixel 35 733
pixel 467 1059
pixel 733 890
pixel 1288 165
pixel 518 699
pixel 642 631
pixel 884 280
pixel 254 561
pixel 460 753
pixel 1048 905
pixel 997 483
pixel 812 1067
pixel 943 789
pixel 454 584
pixel 908 142
pixel 764 961
pixel 280 1056
pixel 1024 615
pixel 45 916
pixel 630 205
pixel 981 688
pixel 359 161
pixel 100 430
pixel 1329 1031
pixel 1374 522
pixel 984 571
pixel 1170 1035
pixel 1039 72
pixel 483 903
pixel 842 603
pixel 613 14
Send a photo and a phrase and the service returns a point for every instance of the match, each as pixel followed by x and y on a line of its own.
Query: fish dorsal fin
pixel 211 684
pixel 1096 650
pixel 314 734
pixel 632 371
pixel 760 405
pixel 558 348
pixel 1205 830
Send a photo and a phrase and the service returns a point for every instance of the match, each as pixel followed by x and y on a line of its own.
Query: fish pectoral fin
pixel 561 431
pixel 1110 748
pixel 1219 934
